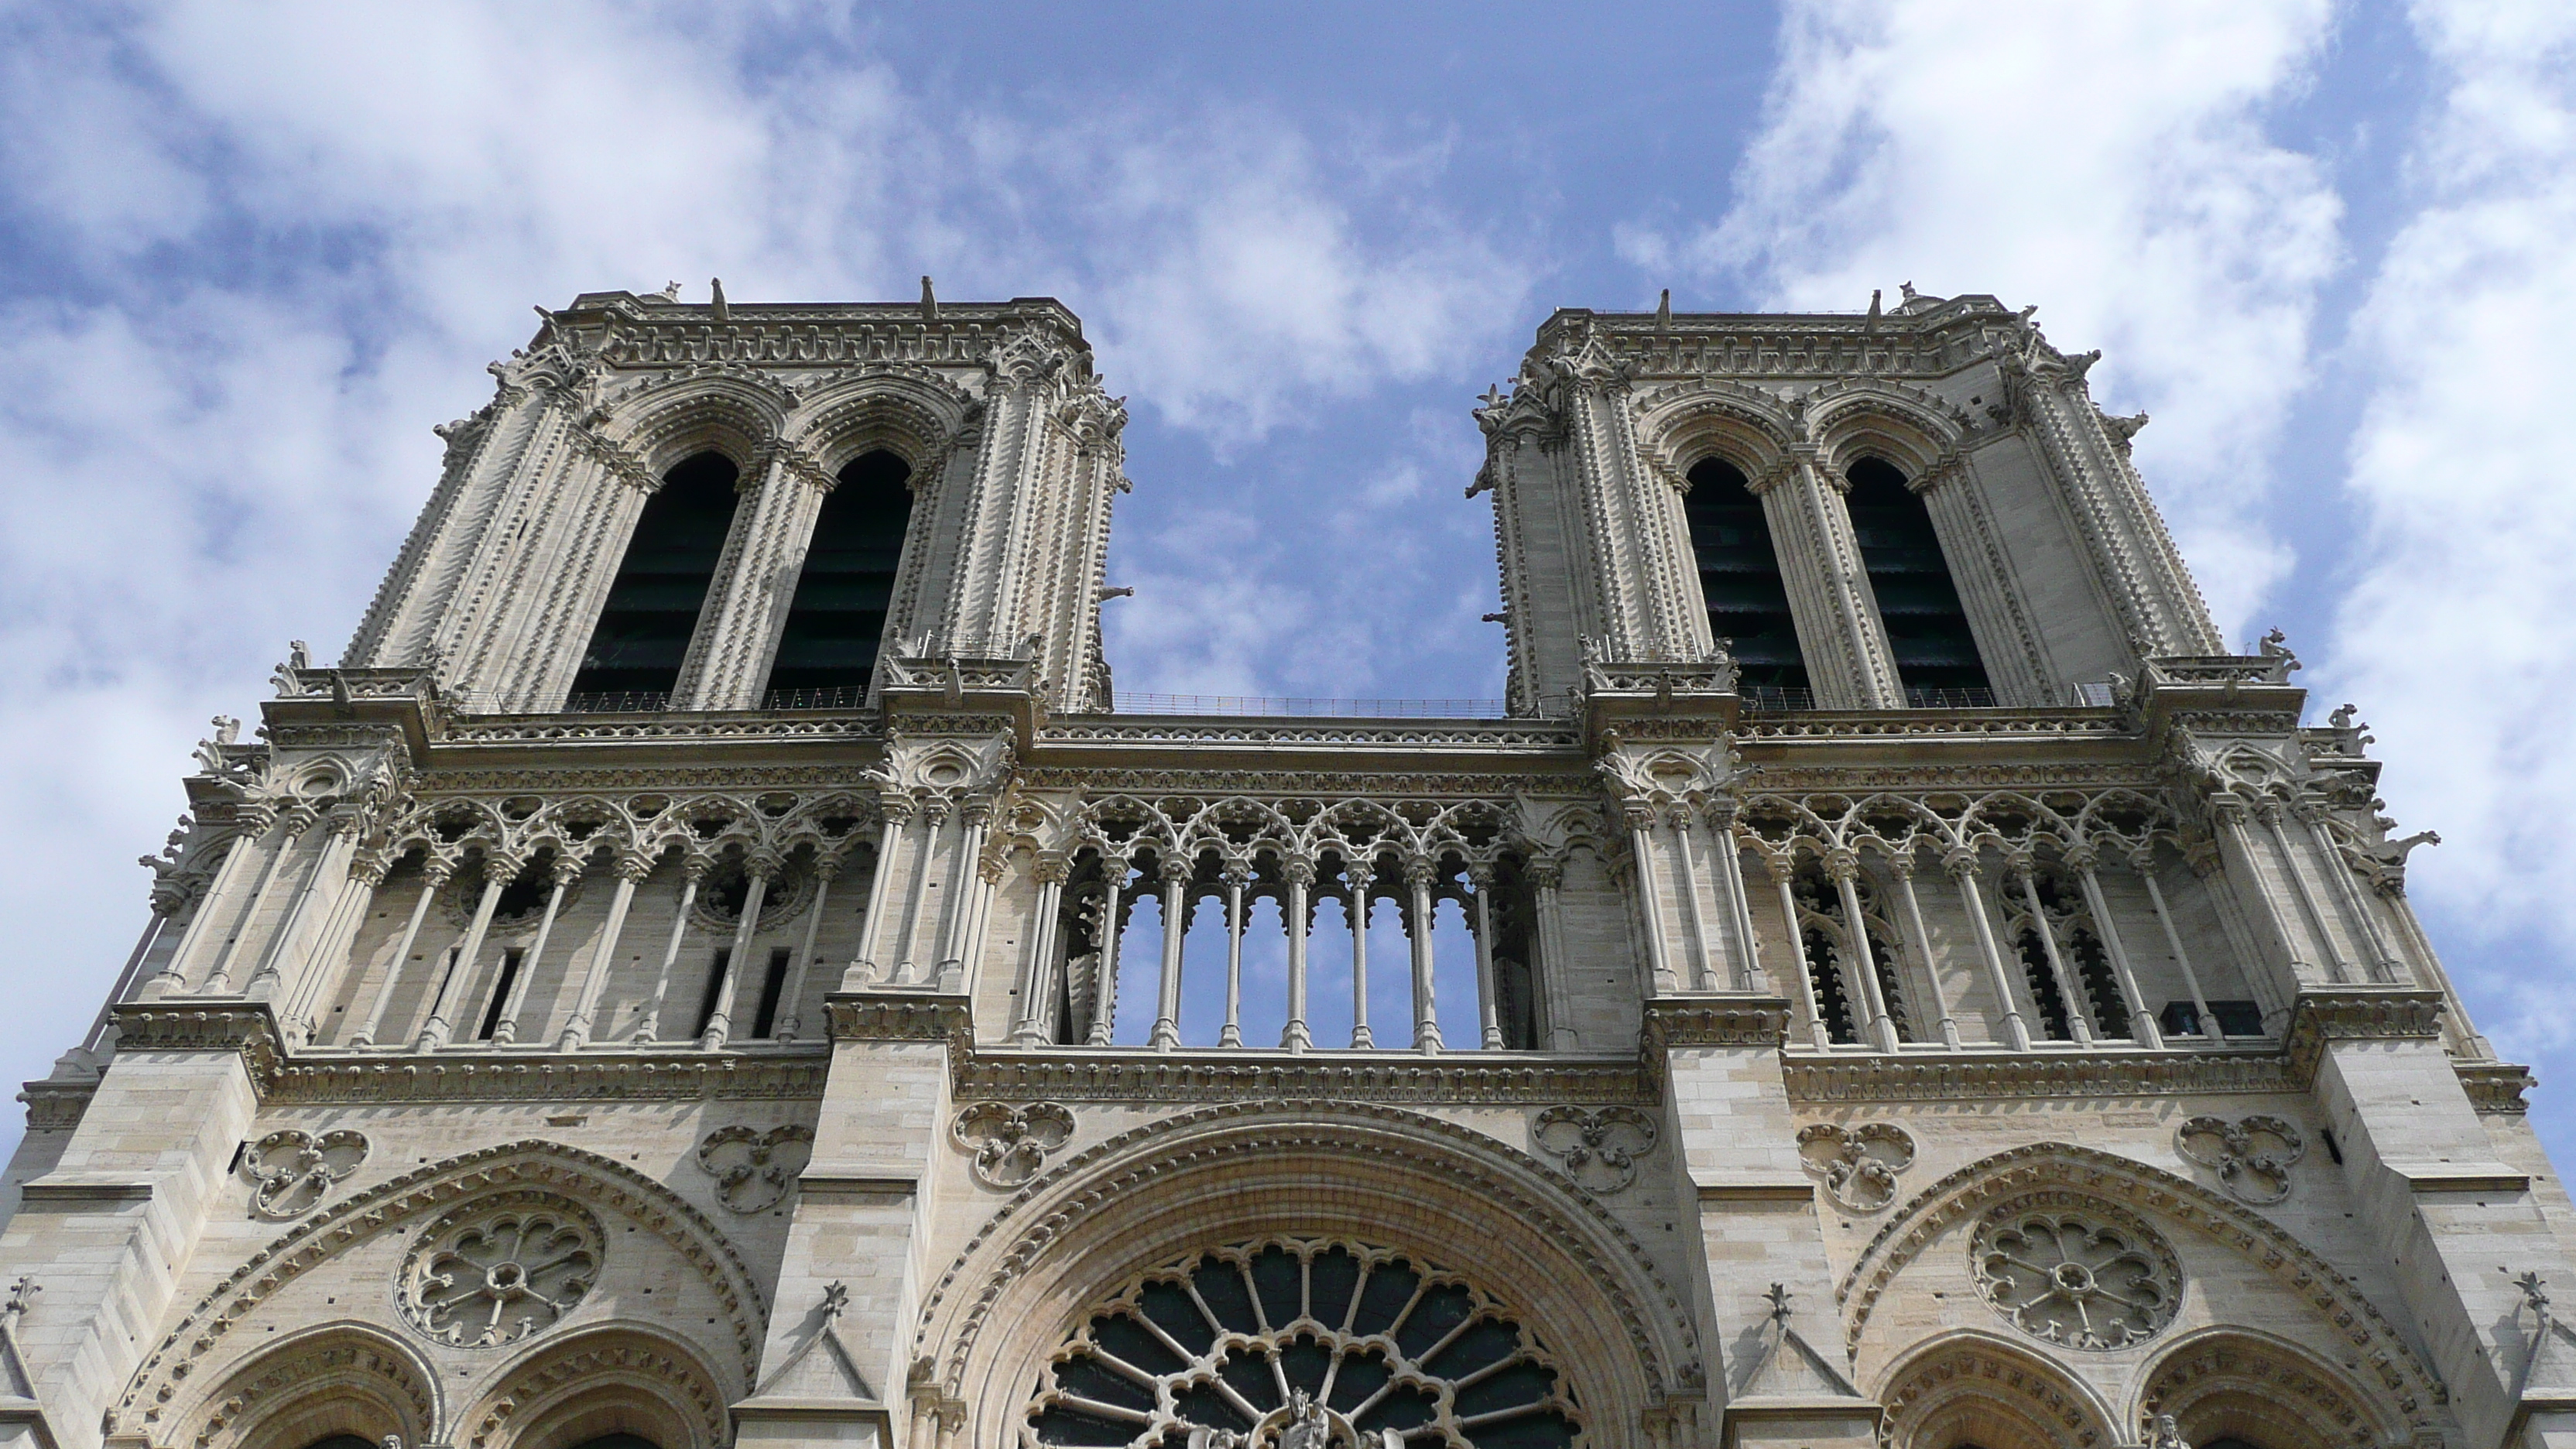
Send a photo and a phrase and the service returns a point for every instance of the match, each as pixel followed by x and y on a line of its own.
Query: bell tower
pixel 668 505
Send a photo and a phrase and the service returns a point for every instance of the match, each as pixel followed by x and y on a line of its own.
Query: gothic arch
pixel 622 1379
pixel 2407 1382
pixel 395 1205
pixel 669 420
pixel 2228 1382
pixel 1971 1387
pixel 911 412
pixel 334 1378
pixel 1873 420
pixel 1678 427
pixel 1220 1175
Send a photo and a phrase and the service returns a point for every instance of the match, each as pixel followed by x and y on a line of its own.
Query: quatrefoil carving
pixel 754 1169
pixel 2251 1155
pixel 1860 1164
pixel 1011 1143
pixel 296 1170
pixel 1599 1148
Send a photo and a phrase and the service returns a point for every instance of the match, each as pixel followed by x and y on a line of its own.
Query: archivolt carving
pixel 911 411
pixel 2109 1177
pixel 1486 1168
pixel 296 1170
pixel 2251 1155
pixel 1011 1143
pixel 342 1378
pixel 644 823
pixel 668 419
pixel 2229 1382
pixel 753 1169
pixel 2112 822
pixel 1970 1390
pixel 596 1182
pixel 1679 424
pixel 624 1378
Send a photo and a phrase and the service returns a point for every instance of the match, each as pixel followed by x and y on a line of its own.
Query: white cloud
pixel 283 240
pixel 2456 629
pixel 2105 161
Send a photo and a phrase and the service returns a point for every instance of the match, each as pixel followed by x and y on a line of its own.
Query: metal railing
pixel 1979 698
pixel 619 701
pixel 846 696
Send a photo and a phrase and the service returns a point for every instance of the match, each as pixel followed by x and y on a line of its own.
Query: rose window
pixel 2090 1279
pixel 496 1271
pixel 1291 1344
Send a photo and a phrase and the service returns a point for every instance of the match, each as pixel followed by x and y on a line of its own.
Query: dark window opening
pixel 770 986
pixel 714 991
pixel 633 661
pixel 1891 986
pixel 510 960
pixel 1739 578
pixel 2101 987
pixel 828 652
pixel 1927 627
pixel 2043 986
pixel 1823 972
pixel 615 1441
pixel 342 1441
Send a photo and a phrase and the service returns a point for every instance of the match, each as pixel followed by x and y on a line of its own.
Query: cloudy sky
pixel 253 253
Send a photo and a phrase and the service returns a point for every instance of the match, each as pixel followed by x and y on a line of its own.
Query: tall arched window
pixel 633 661
pixel 829 649
pixel 1739 581
pixel 1926 626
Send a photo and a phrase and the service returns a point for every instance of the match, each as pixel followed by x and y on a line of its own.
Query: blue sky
pixel 254 252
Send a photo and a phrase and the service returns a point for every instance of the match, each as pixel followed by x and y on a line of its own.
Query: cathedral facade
pixel 714 964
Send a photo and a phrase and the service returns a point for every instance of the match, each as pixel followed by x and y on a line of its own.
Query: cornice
pixel 1366 734
pixel 678 727
pixel 2494 1088
pixel 1517 1079
pixel 1956 1077
pixel 1754 1021
pixel 56 1106
pixel 1185 781
pixel 2357 1013
pixel 1929 724
pixel 494 1077
pixel 900 1016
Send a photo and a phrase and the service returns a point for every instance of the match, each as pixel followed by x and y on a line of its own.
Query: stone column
pixel 1481 876
pixel 498 871
pixel 1801 974
pixel 1650 896
pixel 895 815
pixel 1729 864
pixel 291 828
pixel 326 963
pixel 339 844
pixel 1848 660
pixel 827 865
pixel 693 873
pixel 758 870
pixel 2143 861
pixel 1104 984
pixel 1426 1015
pixel 1902 867
pixel 567 869
pixel 1231 1034
pixel 2079 1016
pixel 1296 914
pixel 434 875
pixel 1845 873
pixel 2383 965
pixel 924 853
pixel 1962 865
pixel 630 870
pixel 1037 978
pixel 1167 1002
pixel 2312 914
pixel 1547 882
pixel 2142 1021
pixel 1702 976
pixel 1358 904
pixel 255 823
pixel 755 581
pixel 964 872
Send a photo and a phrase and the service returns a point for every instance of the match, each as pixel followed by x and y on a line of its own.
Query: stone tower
pixel 711 965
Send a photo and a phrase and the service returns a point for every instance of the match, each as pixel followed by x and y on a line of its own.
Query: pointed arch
pixel 2342 1310
pixel 736 416
pixel 344 1377
pixel 1971 1387
pixel 1679 426
pixel 1233 1173
pixel 2239 1383
pixel 395 1205
pixel 623 1379
pixel 657 599
pixel 910 412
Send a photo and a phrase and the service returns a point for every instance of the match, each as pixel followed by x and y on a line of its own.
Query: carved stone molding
pixel 2251 1155
pixel 900 1016
pixel 1010 1144
pixel 2493 1087
pixel 59 1106
pixel 1858 1165
pixel 1748 1021
pixel 755 1170
pixel 499 1268
pixel 1938 1382
pixel 295 1170
pixel 1599 1147
pixel 332 1362
pixel 1074 1076
pixel 493 1077
pixel 596 1358
pixel 1970 1076
pixel 2357 1014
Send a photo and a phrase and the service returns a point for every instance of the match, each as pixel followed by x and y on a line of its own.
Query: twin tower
pixel 712 964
